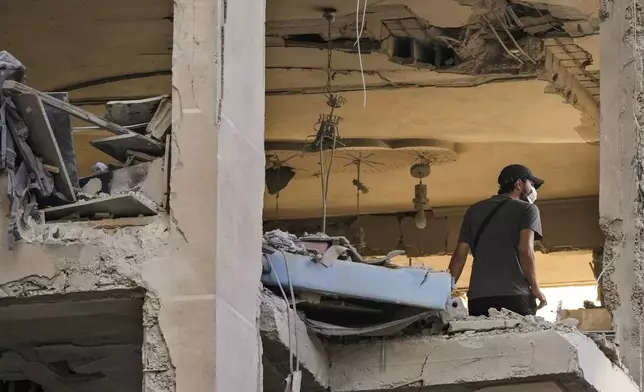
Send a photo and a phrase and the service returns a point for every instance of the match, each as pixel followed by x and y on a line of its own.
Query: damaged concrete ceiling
pixel 96 51
pixel 103 52
pixel 471 73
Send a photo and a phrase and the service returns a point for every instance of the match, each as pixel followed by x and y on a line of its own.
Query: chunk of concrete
pixel 162 120
pixel 133 112
pixel 483 324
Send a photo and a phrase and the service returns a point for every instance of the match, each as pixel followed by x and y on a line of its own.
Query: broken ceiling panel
pixel 499 37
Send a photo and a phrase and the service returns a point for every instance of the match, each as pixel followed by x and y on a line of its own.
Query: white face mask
pixel 532 196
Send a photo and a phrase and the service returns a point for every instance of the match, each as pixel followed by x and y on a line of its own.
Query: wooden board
pixel 121 206
pixel 118 146
pixel 43 141
pixel 61 125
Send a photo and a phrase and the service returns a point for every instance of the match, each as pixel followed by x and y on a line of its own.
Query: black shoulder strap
pixel 484 224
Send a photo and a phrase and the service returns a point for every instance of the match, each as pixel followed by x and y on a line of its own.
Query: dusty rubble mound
pixel 504 320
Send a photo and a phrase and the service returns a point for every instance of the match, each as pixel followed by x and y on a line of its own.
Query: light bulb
pixel 420 219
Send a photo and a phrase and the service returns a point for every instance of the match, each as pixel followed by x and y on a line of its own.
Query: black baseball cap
pixel 511 173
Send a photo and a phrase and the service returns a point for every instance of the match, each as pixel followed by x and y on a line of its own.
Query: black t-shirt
pixel 496 270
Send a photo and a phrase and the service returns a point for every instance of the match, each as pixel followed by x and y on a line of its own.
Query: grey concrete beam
pixel 472 362
pixel 567 224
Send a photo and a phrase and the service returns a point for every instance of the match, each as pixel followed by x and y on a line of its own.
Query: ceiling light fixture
pixel 421 202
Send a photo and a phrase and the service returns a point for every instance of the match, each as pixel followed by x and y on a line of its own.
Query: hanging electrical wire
pixel 359 31
pixel 327 136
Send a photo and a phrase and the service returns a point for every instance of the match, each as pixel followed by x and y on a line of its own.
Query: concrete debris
pixel 281 240
pixel 118 146
pixel 457 309
pixel 609 348
pixel 481 324
pixel 46 180
pixel 499 37
pixel 92 187
pixel 504 320
pixel 118 206
pixel 161 122
pixel 133 112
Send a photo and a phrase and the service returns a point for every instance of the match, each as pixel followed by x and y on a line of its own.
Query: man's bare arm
pixel 526 256
pixel 528 264
pixel 457 262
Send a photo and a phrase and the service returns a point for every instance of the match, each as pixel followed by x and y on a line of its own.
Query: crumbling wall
pixel 622 174
pixel 77 257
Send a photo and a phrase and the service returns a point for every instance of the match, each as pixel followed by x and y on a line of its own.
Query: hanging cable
pixel 359 31
pixel 277 206
pixel 358 191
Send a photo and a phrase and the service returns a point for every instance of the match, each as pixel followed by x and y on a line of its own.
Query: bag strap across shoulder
pixel 486 222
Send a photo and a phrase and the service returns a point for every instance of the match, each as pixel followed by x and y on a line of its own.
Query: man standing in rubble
pixel 500 232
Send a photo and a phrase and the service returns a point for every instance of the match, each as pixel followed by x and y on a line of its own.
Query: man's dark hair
pixel 508 187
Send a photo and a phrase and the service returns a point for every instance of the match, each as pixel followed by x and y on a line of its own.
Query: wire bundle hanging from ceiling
pixel 327 135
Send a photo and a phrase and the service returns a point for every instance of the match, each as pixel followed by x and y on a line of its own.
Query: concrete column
pixel 217 188
pixel 622 174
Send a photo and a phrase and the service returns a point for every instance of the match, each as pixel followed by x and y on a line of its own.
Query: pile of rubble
pixel 37 153
pixel 505 320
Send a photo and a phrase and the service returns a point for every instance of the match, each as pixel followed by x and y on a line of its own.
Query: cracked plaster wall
pixel 622 174
pixel 201 265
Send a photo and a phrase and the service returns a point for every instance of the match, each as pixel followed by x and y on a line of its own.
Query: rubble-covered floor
pixel 492 354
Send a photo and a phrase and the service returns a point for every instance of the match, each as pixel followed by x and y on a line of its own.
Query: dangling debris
pixel 37 152
pixel 277 178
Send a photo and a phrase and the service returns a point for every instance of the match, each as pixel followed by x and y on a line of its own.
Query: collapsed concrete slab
pixel 276 339
pixel 558 361
pixel 494 354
